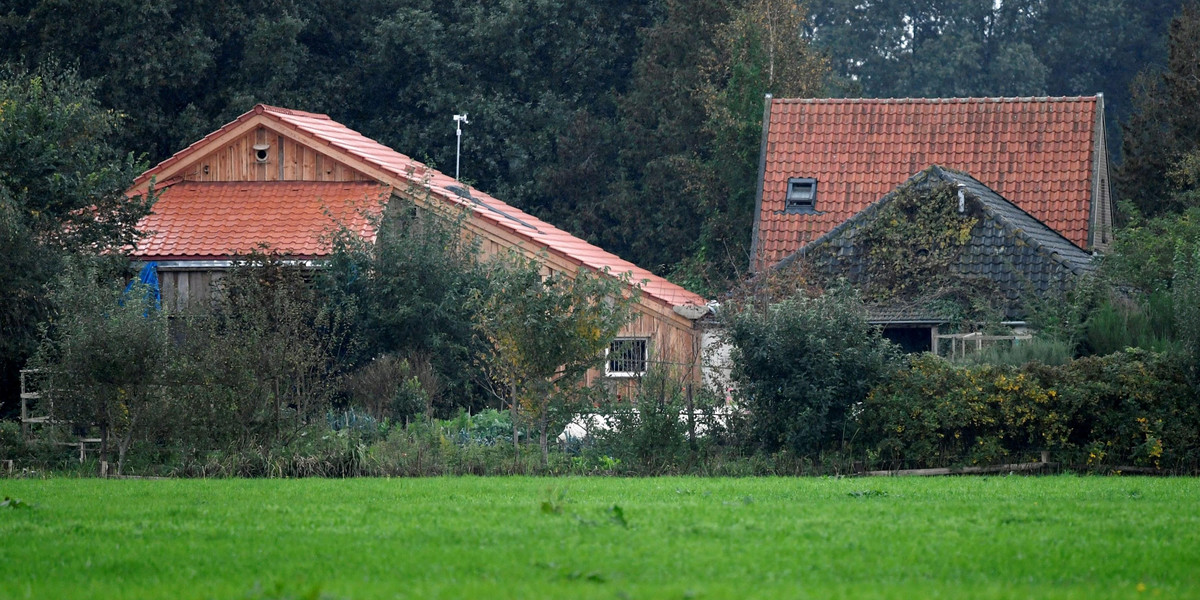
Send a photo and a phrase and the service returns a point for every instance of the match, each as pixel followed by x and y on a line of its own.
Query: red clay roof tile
pixel 404 169
pixel 216 220
pixel 859 149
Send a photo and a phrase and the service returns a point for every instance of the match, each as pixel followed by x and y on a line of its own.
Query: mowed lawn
pixel 995 537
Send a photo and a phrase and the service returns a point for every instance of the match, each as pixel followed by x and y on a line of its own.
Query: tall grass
pixel 1044 350
pixel 1119 324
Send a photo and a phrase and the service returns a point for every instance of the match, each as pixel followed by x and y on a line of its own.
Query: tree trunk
pixel 512 403
pixel 278 412
pixel 103 444
pixel 123 445
pixel 542 424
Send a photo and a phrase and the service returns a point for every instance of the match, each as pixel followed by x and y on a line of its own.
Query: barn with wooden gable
pixel 283 177
pixel 825 160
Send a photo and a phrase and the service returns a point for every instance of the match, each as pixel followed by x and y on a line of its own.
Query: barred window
pixel 626 357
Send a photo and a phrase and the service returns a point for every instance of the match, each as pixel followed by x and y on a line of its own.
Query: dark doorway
pixel 911 339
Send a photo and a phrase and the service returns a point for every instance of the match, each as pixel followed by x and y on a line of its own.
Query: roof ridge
pixel 259 108
pixel 276 181
pixel 535 230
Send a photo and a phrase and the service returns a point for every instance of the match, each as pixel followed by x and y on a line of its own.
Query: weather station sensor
pixel 459 121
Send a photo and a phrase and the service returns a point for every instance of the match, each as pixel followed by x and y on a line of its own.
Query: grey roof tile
pixel 1009 246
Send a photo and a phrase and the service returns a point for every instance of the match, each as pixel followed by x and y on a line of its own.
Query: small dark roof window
pixel 801 195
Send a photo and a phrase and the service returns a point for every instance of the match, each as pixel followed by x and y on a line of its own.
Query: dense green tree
pixel 150 59
pixel 523 70
pixel 760 50
pixel 1162 137
pixel 652 214
pixel 689 130
pixel 801 364
pixel 984 48
pixel 106 357
pixel 61 191
pixel 264 360
pixel 932 47
pixel 629 123
pixel 410 289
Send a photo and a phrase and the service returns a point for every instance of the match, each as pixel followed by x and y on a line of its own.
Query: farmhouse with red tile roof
pixel 286 178
pixel 823 161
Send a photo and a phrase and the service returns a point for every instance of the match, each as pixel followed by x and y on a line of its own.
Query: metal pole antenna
pixel 458 123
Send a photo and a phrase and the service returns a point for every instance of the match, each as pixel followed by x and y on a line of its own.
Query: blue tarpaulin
pixel 148 277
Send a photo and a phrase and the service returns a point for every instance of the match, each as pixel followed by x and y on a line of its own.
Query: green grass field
pixel 996 537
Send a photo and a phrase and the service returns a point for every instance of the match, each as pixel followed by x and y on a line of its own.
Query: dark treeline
pixel 930 48
pixel 632 123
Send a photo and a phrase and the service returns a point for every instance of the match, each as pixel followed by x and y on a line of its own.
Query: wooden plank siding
pixel 287 160
pixel 183 290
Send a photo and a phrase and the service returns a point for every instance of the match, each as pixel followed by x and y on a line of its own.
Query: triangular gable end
pixel 253 148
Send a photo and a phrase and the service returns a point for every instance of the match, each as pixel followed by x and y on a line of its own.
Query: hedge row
pixel 1133 408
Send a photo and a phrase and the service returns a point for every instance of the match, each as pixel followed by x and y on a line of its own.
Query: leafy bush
pixel 936 413
pixel 410 288
pixel 488 427
pixel 1144 252
pixel 265 361
pixel 648 435
pixel 362 425
pixel 1186 296
pixel 62 192
pixel 800 364
pixel 106 356
pixel 393 388
pixel 1131 408
pixel 545 332
pixel 12 445
pixel 1123 323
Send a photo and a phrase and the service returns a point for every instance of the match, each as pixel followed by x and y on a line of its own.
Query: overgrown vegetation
pixel 912 242
pixel 105 356
pixel 545 333
pixel 411 290
pixel 285 355
pixel 801 364
pixel 62 183
pixel 1129 408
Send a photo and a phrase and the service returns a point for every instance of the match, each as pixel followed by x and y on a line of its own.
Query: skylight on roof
pixel 801 195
